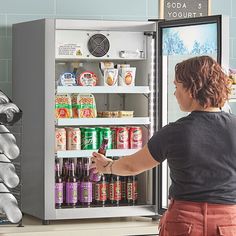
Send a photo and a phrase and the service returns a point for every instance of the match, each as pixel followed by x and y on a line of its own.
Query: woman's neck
pixel 209 109
pixel 198 107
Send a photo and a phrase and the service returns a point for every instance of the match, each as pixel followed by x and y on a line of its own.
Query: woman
pixel 201 153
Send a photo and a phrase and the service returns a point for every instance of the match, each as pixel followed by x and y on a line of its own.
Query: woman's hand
pixel 101 163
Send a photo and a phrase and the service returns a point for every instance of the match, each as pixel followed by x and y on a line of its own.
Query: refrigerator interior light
pixel 152 88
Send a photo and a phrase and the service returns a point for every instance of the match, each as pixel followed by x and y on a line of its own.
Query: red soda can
pixel 73 138
pixel 122 138
pixel 135 137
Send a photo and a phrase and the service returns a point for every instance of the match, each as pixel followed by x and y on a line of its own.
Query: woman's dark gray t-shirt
pixel 201 152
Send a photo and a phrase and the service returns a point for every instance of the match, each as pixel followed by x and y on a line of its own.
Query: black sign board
pixel 177 9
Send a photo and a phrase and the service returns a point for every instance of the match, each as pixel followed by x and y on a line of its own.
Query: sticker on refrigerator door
pixel 69 49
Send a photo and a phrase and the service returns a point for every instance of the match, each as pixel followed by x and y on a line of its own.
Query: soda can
pixel 122 138
pixel 60 139
pixel 105 132
pixel 73 138
pixel 98 129
pixel 135 137
pixel 88 139
pixel 113 135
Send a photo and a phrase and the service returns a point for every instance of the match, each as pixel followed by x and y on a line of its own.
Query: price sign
pixel 177 9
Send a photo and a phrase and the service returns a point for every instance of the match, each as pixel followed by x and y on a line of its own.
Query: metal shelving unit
pixel 15 128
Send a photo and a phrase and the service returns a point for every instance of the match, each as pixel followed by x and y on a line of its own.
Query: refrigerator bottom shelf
pixel 105 212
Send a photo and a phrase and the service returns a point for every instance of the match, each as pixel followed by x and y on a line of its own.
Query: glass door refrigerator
pixel 179 40
pixel 57 59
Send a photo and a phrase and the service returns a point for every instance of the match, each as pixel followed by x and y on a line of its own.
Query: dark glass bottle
pixel 132 191
pixel 86 187
pixel 111 190
pixel 123 189
pixel 129 191
pixel 64 177
pixel 101 191
pixel 79 175
pixel 103 147
pixel 102 150
pixel 58 186
pixel 135 191
pixel 117 188
pixel 71 186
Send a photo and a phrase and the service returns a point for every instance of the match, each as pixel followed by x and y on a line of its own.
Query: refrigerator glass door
pixel 232 106
pixel 179 40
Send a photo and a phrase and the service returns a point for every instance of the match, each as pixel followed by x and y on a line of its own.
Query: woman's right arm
pixel 129 165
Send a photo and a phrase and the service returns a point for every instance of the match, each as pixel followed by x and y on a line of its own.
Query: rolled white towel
pixel 9 109
pixel 3 98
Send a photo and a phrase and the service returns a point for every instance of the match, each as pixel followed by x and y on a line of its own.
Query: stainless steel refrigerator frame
pixel 34 90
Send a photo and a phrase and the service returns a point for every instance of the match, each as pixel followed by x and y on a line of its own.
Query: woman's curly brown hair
pixel 205 79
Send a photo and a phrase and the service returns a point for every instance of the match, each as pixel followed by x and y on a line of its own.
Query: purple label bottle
pixel 71 193
pixel 58 193
pixel 86 193
pixel 58 189
pixel 71 186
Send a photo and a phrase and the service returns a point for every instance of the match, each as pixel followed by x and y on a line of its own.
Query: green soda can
pixel 106 132
pixel 98 129
pixel 88 139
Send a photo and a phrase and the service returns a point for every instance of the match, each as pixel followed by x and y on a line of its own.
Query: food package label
pixel 127 76
pixel 87 78
pixel 110 77
pixel 67 79
pixel 63 107
pixel 86 106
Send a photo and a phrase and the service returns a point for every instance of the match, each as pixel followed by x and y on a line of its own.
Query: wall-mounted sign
pixel 177 9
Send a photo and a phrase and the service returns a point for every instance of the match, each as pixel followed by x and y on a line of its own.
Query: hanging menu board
pixel 178 9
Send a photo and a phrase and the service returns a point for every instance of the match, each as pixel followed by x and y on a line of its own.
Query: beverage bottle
pixel 79 174
pixel 117 189
pixel 123 189
pixel 111 190
pixel 135 191
pixel 96 176
pixel 129 191
pixel 58 186
pixel 101 191
pixel 86 187
pixel 71 186
pixel 132 193
pixel 64 177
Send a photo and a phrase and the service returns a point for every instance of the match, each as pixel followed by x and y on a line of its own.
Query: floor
pixel 99 227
